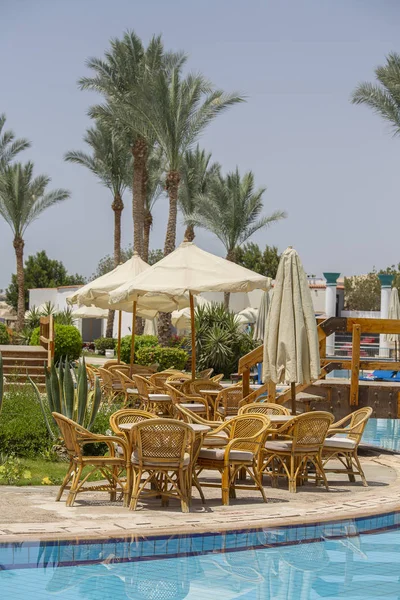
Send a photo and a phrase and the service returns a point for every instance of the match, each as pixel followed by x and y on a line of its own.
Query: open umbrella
pixel 89 312
pixel 259 327
pixel 181 318
pixel 188 270
pixel 291 349
pixel 394 313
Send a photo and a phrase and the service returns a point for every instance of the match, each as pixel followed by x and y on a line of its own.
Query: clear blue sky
pixel 333 166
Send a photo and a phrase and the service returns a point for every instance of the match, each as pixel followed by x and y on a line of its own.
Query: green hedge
pixel 167 358
pixel 4 335
pixel 67 341
pixel 140 341
pixel 102 344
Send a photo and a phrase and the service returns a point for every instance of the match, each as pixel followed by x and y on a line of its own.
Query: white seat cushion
pixel 215 440
pixel 160 397
pixel 132 391
pixel 338 442
pixel 218 454
pixel 287 447
pixel 156 462
pixel 194 406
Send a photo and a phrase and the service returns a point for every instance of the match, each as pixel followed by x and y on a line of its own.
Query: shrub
pixel 67 341
pixel 4 335
pixel 178 341
pixel 140 341
pixel 23 430
pixel 167 358
pixel 102 344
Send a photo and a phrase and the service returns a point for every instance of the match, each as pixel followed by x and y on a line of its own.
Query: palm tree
pixel 384 98
pixel 111 162
pixel 122 77
pixel 154 189
pixel 9 146
pixel 23 199
pixel 231 210
pixel 196 173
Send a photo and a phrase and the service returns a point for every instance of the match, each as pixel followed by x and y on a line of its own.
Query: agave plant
pixel 76 402
pixel 65 317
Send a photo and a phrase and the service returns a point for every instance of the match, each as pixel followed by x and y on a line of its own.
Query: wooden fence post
pixel 355 365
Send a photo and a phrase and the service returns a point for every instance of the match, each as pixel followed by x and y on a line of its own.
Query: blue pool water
pixel 352 559
pixel 384 433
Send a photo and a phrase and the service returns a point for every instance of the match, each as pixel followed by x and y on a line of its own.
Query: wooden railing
pixel 46 336
pixel 325 329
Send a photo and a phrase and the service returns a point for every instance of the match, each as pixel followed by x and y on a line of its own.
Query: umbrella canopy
pixel 90 312
pixel 291 349
pixel 259 327
pixel 247 316
pixel 393 313
pixel 189 269
pixel 181 318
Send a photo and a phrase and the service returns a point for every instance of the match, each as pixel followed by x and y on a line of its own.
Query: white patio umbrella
pixel 188 270
pixel 394 313
pixel 248 315
pixel 259 327
pixel 89 312
pixel 181 318
pixel 291 348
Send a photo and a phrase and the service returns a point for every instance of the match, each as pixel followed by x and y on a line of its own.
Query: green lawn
pixel 41 469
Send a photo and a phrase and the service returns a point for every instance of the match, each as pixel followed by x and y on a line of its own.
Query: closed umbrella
pixel 188 270
pixel 394 313
pixel 259 327
pixel 291 348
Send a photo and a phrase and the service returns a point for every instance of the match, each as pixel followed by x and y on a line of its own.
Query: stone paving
pixel 31 513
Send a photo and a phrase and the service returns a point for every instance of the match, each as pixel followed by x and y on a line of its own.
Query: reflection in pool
pixel 384 433
pixel 332 560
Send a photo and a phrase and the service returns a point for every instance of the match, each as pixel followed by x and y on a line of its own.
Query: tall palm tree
pixel 126 72
pixel 196 173
pixel 9 146
pixel 23 199
pixel 384 97
pixel 111 162
pixel 154 189
pixel 231 210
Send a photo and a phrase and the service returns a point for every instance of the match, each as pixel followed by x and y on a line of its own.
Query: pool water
pixel 352 559
pixel 384 433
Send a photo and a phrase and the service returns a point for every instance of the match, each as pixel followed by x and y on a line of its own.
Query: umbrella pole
pixel 191 300
pixel 293 390
pixel 133 337
pixel 119 335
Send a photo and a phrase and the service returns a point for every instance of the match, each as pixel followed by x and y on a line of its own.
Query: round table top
pixel 280 418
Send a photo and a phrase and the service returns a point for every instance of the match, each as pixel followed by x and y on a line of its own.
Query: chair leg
pixel 65 480
pixel 349 464
pixel 114 475
pixel 292 476
pixel 258 481
pixel 74 485
pixel 360 469
pixel 198 487
pixel 136 476
pixel 320 469
pixel 128 484
pixel 183 488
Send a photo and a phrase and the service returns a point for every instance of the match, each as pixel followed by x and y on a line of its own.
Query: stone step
pixel 10 361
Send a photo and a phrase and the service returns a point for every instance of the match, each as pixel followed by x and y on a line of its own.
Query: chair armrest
pixel 110 440
pixel 333 430
pixel 230 446
pixel 339 423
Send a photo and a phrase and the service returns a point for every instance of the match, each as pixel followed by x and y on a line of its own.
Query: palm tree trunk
pixel 148 222
pixel 172 186
pixel 189 233
pixel 139 151
pixel 118 207
pixel 19 253
pixel 230 256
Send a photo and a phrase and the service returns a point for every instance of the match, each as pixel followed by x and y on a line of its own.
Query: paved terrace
pixel 31 513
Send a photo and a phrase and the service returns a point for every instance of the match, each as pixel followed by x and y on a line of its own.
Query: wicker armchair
pixel 195 385
pixel 217 378
pixel 110 466
pixel 112 362
pixel 228 402
pixel 206 374
pixel 162 454
pixel 160 404
pixel 303 440
pixel 127 415
pixel 196 404
pixel 211 440
pixel 158 380
pixel 144 388
pixel 246 437
pixel 344 449
pixel 264 408
pixel 110 388
pixel 128 386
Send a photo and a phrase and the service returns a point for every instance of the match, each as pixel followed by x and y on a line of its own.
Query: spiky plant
pixel 9 146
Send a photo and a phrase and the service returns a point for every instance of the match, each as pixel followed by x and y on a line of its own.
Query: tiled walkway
pixel 32 513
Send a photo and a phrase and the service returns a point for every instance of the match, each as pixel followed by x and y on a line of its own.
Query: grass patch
pixel 42 471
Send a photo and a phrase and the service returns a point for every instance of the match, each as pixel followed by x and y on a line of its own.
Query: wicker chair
pixel 110 388
pixel 228 402
pixel 119 367
pixel 144 388
pixel 111 467
pixel 196 404
pixel 345 448
pixel 217 378
pixel 247 434
pixel 128 386
pixel 264 408
pixel 303 441
pixel 162 453
pixel 158 380
pixel 206 374
pixel 195 385
pixel 127 415
pixel 91 375
pixel 112 362
pixel 211 440
pixel 160 404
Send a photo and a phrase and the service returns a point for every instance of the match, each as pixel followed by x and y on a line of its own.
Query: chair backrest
pixel 144 371
pixel 124 378
pixel 309 429
pixel 206 374
pixel 217 378
pixel 245 426
pixel 194 386
pixel 91 375
pixel 128 415
pixel 106 378
pixel 230 399
pixel 119 367
pixel 162 440
pixel 358 422
pixel 264 408
pixel 142 386
pixel 159 379
pixel 71 433
pixel 181 377
pixel 111 362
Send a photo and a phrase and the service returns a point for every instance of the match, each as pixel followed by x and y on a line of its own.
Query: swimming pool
pixel 384 433
pixel 349 559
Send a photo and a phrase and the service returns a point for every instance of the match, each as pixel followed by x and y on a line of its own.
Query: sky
pixel 331 165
